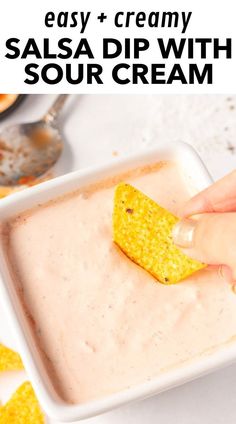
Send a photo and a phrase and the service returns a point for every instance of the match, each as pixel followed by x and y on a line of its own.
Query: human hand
pixel 207 230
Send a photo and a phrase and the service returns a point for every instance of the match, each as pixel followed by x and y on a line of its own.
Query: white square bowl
pixel 54 407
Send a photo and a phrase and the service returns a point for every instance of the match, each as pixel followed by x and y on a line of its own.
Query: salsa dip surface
pixel 101 323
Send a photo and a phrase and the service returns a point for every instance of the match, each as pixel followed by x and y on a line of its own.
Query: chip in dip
pixel 101 323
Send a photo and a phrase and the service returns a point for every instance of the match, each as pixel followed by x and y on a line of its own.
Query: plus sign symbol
pixel 102 17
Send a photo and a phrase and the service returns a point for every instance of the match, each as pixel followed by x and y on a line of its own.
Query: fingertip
pixel 183 233
pixel 196 205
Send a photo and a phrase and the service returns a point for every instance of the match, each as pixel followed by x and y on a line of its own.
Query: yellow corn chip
pixel 9 360
pixel 22 408
pixel 5 191
pixel 142 229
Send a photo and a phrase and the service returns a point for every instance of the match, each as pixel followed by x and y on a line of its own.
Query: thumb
pixel 209 238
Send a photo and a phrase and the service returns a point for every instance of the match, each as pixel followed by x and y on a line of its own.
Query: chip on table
pixel 9 360
pixel 22 408
pixel 143 231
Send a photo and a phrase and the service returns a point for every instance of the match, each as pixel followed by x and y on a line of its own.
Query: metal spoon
pixel 29 150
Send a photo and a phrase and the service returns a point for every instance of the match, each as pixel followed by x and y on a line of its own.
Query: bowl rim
pixel 48 190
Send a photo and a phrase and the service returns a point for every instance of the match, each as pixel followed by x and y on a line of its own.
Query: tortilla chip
pixel 143 231
pixel 22 408
pixel 5 191
pixel 9 360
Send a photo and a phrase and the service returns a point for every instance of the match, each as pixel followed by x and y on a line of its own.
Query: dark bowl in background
pixel 13 106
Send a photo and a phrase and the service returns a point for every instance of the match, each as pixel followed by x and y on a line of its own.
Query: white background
pixel 97 127
pixel 25 18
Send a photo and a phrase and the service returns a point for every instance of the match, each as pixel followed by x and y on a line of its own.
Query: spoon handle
pixel 56 107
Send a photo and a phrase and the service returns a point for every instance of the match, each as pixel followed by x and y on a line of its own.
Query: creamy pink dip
pixel 102 323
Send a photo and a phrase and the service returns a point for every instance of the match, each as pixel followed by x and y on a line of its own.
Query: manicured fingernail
pixel 183 233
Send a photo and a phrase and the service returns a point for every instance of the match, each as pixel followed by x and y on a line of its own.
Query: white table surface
pixel 96 128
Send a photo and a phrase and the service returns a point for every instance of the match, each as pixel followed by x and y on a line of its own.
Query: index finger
pixel 219 197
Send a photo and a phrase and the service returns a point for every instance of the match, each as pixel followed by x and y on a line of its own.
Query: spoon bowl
pixel 27 151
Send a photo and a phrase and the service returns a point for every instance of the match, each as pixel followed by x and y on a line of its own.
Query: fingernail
pixel 183 233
